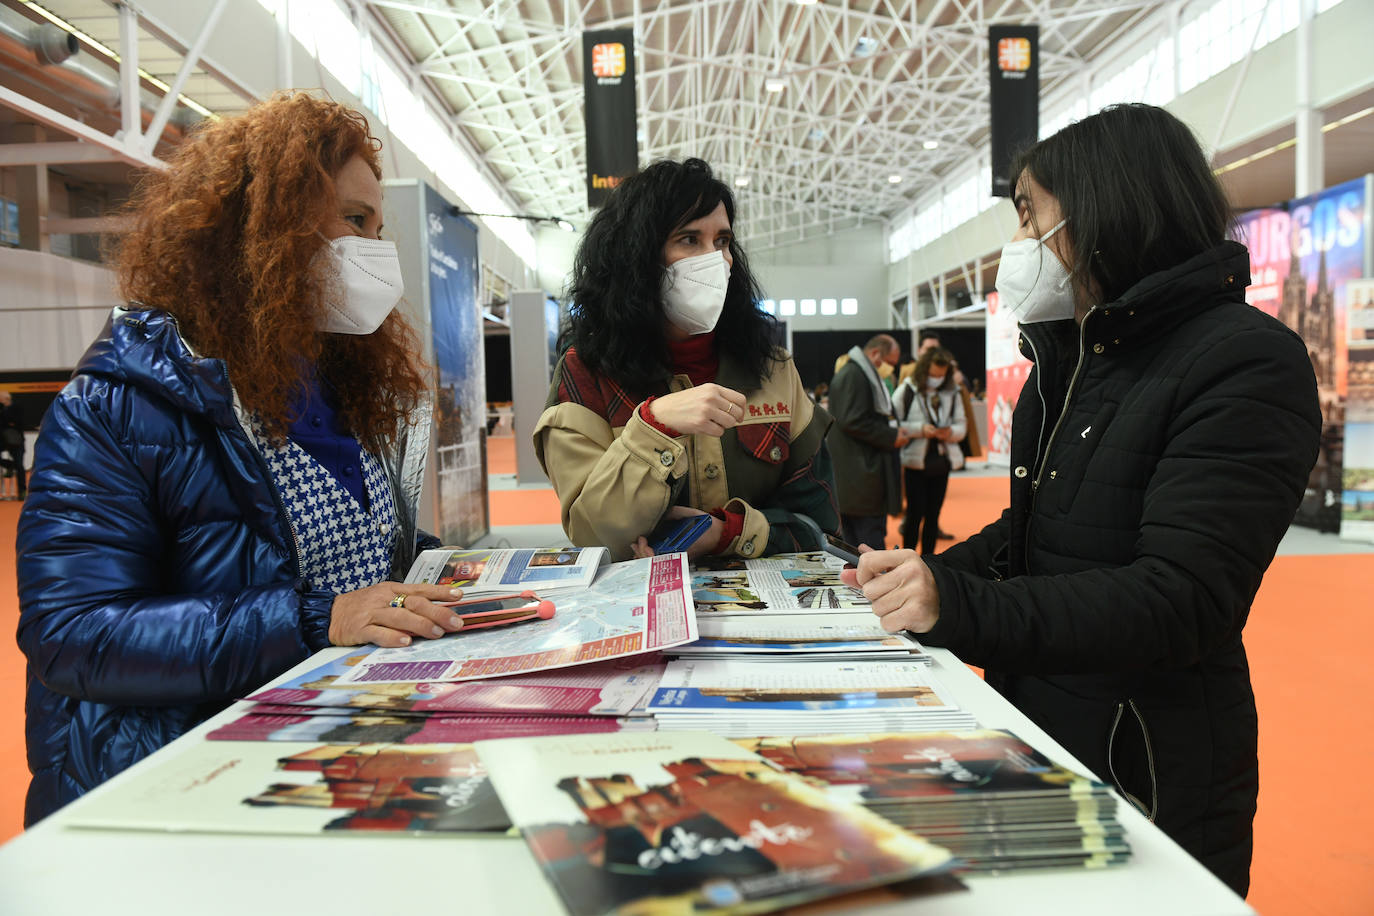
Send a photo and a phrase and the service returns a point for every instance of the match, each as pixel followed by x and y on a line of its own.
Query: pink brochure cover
pixel 611 688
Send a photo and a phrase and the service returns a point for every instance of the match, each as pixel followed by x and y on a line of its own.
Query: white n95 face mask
pixel 363 286
pixel 694 291
pixel 1032 281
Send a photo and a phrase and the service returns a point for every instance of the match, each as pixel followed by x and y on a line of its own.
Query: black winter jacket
pixel 1158 454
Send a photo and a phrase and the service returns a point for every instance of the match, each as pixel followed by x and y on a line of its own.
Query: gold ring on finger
pixel 399 601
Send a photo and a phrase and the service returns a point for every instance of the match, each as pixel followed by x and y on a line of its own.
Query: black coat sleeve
pixel 1237 447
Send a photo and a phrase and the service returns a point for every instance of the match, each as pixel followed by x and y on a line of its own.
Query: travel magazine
pixel 305 788
pixel 361 727
pixel 687 822
pixel 795 583
pixel 546 569
pixel 617 687
pixel 745 697
pixel 631 608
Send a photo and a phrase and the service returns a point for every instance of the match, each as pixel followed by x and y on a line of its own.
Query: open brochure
pixel 631 608
pixel 476 571
pixel 687 822
pixel 794 583
pixel 304 788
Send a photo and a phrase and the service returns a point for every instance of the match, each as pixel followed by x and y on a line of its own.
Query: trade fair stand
pixel 58 868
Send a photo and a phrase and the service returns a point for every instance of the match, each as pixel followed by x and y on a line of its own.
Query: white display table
pixel 57 869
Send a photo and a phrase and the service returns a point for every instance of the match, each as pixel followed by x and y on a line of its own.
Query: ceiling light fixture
pixel 549 146
pixel 894 179
pixel 931 144
pixel 775 84
pixel 742 181
pixel 865 46
pixel 109 52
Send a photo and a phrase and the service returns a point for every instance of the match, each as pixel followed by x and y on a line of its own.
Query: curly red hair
pixel 225 240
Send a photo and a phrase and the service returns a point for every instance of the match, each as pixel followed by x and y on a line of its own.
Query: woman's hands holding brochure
pixel 390 613
pixel 900 587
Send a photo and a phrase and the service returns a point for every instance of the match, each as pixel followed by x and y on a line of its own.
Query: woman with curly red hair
pixel 230 480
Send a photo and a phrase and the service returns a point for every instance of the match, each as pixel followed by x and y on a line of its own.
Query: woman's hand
pixel 374 615
pixel 929 431
pixel 710 409
pixel 942 433
pixel 900 587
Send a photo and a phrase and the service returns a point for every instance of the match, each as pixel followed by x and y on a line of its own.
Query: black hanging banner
pixel 608 80
pixel 1014 68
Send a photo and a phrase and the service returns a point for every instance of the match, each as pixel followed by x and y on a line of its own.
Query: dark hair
pixel 883 343
pixel 927 334
pixel 1136 190
pixel 935 356
pixel 616 315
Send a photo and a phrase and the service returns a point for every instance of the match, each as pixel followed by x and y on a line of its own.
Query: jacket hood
pixel 1156 304
pixel 1170 297
pixel 144 348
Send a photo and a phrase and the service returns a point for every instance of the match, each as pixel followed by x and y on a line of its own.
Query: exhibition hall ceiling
pixel 824 115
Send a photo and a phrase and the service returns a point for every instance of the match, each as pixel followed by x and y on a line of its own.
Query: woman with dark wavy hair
pixel 230 479
pixel 672 398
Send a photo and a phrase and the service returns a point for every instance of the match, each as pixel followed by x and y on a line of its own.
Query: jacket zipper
pixel 1149 760
pixel 1044 454
pixel 252 446
pixel 1068 396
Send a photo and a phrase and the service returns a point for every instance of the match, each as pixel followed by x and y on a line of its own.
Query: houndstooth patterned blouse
pixel 343 545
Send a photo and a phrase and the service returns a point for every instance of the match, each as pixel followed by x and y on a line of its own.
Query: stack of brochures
pixel 322 706
pixel 987 796
pixel 787 637
pixel 687 822
pixel 745 697
pixel 589 668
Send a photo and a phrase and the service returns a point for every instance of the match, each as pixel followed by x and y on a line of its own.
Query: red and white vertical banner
pixel 1007 373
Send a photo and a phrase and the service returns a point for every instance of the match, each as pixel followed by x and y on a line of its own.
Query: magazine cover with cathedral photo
pixel 1303 255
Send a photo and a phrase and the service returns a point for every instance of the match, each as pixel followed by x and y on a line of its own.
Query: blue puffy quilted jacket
pixel 158 574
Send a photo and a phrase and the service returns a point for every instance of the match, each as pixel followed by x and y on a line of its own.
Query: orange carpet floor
pixel 1308 637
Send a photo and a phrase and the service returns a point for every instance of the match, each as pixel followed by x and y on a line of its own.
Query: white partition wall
pixel 53 307
pixel 531 333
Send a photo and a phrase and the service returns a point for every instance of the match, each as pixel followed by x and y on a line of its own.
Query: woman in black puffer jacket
pixel 1159 450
